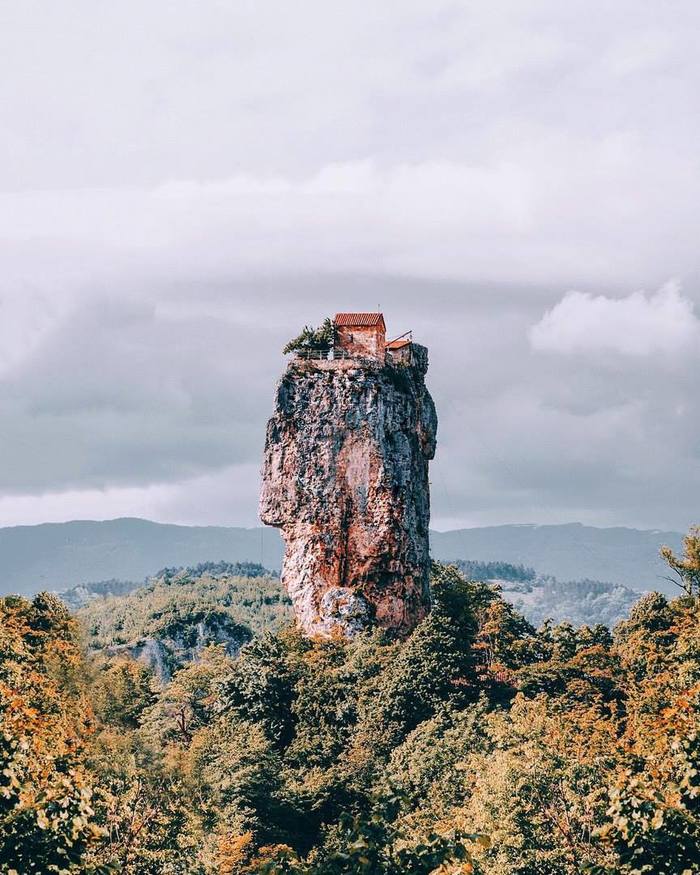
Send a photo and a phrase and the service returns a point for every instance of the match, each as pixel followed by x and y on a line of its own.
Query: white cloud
pixel 638 325
pixel 525 215
pixel 640 52
pixel 514 142
pixel 228 497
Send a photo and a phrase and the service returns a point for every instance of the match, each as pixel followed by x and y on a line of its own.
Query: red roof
pixel 398 344
pixel 359 320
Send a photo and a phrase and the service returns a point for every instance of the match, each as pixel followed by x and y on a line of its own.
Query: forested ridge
pixel 116 611
pixel 175 597
pixel 479 744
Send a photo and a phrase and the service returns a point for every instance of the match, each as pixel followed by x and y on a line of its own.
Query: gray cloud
pixel 181 188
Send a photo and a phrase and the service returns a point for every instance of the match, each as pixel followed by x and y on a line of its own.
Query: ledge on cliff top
pixel 418 361
pixel 335 364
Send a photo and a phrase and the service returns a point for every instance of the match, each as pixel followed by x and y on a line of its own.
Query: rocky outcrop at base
pixel 180 643
pixel 345 478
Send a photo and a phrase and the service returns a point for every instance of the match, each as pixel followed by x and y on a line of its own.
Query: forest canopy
pixel 476 745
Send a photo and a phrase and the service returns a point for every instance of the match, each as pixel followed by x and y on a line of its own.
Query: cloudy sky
pixel 184 184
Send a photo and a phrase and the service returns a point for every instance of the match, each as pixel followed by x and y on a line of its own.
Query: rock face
pixel 177 644
pixel 345 478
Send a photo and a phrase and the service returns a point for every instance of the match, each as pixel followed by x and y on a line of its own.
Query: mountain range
pixel 55 556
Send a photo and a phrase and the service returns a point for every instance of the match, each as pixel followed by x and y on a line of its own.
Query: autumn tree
pixel 687 567
pixel 46 797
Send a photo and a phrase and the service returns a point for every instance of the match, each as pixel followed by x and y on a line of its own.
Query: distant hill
pixel 578 602
pixel 57 556
pixel 568 552
pixel 77 597
pixel 539 597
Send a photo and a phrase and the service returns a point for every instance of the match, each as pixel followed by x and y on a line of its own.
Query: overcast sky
pixel 184 184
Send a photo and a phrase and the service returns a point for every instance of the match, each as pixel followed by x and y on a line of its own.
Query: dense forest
pixel 479 744
pixel 117 613
pixel 175 597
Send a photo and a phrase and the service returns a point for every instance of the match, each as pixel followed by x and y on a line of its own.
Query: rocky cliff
pixel 345 478
pixel 178 643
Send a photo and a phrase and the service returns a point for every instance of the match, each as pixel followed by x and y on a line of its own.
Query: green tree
pixel 236 768
pixel 436 664
pixel 186 703
pixel 321 338
pixel 261 685
pixel 122 691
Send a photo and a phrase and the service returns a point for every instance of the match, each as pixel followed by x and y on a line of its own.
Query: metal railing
pixel 328 355
pixel 313 354
pixel 323 355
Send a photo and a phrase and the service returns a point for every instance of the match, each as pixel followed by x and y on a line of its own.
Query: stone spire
pixel 345 478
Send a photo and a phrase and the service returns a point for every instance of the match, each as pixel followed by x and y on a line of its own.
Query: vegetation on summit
pixel 476 745
pixel 321 338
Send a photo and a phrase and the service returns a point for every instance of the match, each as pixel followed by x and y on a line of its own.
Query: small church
pixel 363 335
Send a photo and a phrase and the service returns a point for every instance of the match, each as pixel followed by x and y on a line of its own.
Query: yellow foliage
pixel 233 853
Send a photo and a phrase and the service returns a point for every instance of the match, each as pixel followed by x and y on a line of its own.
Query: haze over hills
pixel 56 556
pixel 569 552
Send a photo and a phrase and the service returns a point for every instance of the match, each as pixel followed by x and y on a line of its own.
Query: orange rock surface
pixel 345 478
